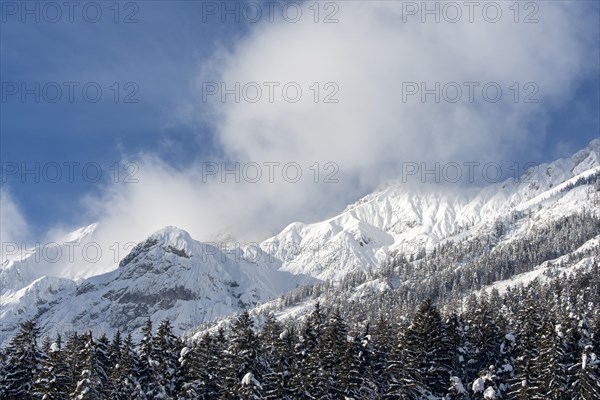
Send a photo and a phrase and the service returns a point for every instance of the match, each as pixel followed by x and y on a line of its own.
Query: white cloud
pixel 369 54
pixel 13 225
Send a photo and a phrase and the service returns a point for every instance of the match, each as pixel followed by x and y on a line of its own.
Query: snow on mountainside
pixel 167 275
pixel 550 267
pixel 374 287
pixel 170 275
pixel 62 258
pixel 401 218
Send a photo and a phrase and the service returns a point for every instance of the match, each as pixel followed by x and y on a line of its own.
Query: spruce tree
pixel 115 348
pixel 277 346
pixel 53 381
pixel 190 372
pixel 74 345
pixel 483 338
pixel 3 368
pixel 425 354
pixel 332 349
pixel 358 379
pixel 166 351
pixel 526 383
pixel 198 368
pixel 553 362
pixel 307 376
pixel 23 363
pixel 147 366
pixel 586 372
pixel 89 386
pixel 245 371
pixel 125 373
pixel 401 383
pixel 44 376
pixel 105 365
pixel 209 352
pixel 382 346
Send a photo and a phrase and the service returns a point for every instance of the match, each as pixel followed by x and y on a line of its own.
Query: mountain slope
pixel 62 258
pixel 401 218
pixel 170 275
pixel 167 275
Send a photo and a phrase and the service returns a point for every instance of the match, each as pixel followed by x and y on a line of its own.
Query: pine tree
pixel 587 376
pixel 425 354
pixel 456 390
pixel 277 347
pixel 552 360
pixel 400 378
pixel 53 380
pixel 105 365
pixel 586 372
pixel 486 385
pixel 307 378
pixel 147 367
pixel 219 347
pixel 358 379
pixel 23 363
pixel 89 386
pixel 209 352
pixel 3 367
pixel 190 372
pixel 382 346
pixel 595 330
pixel 42 379
pixel 166 351
pixel 72 354
pixel 114 353
pixel 246 368
pixel 333 347
pixel 455 339
pixel 125 376
pixel 483 338
pixel 570 339
pixel 198 368
pixel 526 383
pixel 505 364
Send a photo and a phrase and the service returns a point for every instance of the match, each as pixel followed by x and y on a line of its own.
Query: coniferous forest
pixel 538 341
pixel 299 200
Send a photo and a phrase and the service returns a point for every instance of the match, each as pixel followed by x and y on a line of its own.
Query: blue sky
pixel 159 54
pixel 161 57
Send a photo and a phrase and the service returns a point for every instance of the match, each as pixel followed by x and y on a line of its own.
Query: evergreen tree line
pixel 592 180
pixel 539 341
pixel 452 270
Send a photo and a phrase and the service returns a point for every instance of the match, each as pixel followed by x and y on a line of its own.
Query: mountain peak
pixel 170 238
pixel 172 235
pixel 78 234
pixel 587 158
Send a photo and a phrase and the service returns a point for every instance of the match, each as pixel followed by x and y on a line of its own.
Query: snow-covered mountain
pixel 60 258
pixel 404 219
pixel 170 275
